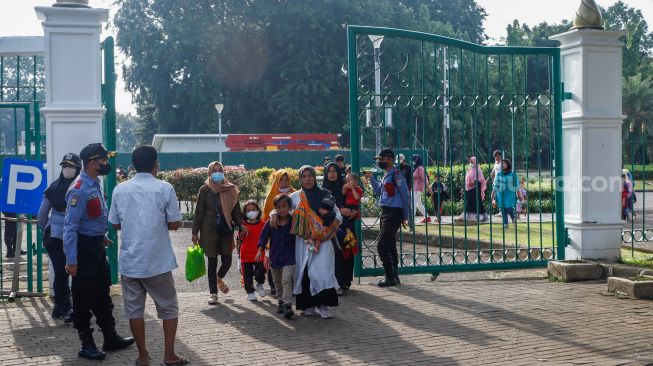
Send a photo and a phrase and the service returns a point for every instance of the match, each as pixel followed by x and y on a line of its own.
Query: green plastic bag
pixel 195 267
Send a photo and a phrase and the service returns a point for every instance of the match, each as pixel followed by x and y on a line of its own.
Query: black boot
pixel 390 278
pixel 280 308
pixel 89 350
pixel 114 342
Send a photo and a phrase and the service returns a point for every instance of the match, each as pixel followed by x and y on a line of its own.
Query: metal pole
pixel 377 98
pixel 445 104
pixel 220 133
pixel 512 142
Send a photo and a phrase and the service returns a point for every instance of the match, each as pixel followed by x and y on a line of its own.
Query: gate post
pixel 73 107
pixel 591 135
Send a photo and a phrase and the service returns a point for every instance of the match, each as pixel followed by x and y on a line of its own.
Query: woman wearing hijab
pixel 315 280
pixel 475 186
pixel 281 184
pixel 217 215
pixel 420 182
pixel 504 192
pixel 50 220
pixel 333 182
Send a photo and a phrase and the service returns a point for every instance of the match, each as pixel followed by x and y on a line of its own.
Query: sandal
pixel 182 361
pixel 222 286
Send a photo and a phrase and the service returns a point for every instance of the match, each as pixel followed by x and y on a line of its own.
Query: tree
pixel 277 65
pixel 639 41
pixel 638 108
pixel 127 138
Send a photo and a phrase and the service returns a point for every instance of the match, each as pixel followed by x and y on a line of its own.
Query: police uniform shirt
pixel 393 191
pixel 86 214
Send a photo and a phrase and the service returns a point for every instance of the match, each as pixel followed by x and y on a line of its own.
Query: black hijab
pixel 334 187
pixel 315 194
pixel 56 192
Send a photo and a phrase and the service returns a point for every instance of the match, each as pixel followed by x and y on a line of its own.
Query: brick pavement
pixel 451 321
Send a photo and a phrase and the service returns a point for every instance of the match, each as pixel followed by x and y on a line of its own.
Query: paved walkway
pixel 518 319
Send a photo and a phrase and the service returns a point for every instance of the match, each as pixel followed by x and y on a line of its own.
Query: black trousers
pixel 305 300
pixel 11 230
pixel 213 267
pixel 251 271
pixel 391 218
pixel 91 286
pixel 54 247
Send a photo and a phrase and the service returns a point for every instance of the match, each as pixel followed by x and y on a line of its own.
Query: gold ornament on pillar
pixel 72 4
pixel 588 15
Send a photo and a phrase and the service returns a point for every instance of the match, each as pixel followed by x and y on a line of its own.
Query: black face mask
pixel 104 169
pixel 383 164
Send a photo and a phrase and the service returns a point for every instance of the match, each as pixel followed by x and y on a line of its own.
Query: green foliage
pixel 127 137
pixel 277 65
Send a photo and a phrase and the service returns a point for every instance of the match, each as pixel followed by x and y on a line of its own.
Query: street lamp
pixel 219 108
pixel 376 41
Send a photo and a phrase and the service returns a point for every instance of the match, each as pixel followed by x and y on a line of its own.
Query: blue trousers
pixel 505 211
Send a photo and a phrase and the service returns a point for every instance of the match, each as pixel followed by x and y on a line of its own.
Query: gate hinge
pixel 566 95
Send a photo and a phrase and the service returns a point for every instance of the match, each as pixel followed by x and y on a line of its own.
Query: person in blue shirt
pixel 395 211
pixel 504 192
pixel 51 217
pixel 84 242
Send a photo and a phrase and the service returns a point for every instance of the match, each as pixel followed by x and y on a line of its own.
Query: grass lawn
pixel 538 233
pixel 639 259
pixel 639 184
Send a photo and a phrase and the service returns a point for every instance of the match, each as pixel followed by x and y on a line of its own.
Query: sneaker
pixel 251 296
pixel 340 292
pixel 288 313
pixel 310 311
pixel 325 312
pixel 260 290
pixel 387 282
pixel 213 299
pixel 280 307
pixel 56 312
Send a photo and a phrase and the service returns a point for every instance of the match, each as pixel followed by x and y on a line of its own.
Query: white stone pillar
pixel 591 139
pixel 73 76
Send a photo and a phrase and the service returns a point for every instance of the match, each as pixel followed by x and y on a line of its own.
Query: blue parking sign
pixel 23 184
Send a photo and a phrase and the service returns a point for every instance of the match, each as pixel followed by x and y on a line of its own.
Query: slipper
pixel 182 361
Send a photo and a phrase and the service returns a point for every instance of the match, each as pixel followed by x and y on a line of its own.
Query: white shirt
pixel 144 206
pixel 498 166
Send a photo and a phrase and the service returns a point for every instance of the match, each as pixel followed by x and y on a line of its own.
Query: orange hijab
pixel 274 191
pixel 227 191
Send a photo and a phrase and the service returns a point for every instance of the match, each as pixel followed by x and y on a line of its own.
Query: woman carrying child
pixel 315 279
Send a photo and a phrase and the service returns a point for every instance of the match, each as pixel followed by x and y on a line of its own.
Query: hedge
pixel 254 184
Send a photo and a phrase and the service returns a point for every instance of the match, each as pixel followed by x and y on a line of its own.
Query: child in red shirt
pixel 353 194
pixel 250 267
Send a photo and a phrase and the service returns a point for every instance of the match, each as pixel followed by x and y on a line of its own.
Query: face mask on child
pixel 252 215
pixel 217 177
pixel 284 190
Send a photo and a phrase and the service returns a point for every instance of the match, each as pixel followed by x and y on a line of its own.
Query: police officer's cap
pixel 95 151
pixel 385 153
pixel 71 159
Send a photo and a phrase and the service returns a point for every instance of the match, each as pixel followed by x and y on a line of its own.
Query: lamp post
pixel 376 41
pixel 219 107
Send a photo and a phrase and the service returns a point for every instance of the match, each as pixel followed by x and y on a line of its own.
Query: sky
pixel 17 18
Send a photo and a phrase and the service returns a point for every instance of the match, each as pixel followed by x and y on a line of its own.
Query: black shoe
pixel 56 312
pixel 114 342
pixel 68 317
pixel 288 313
pixel 23 252
pixel 89 350
pixel 280 308
pixel 10 254
pixel 273 291
pixel 387 282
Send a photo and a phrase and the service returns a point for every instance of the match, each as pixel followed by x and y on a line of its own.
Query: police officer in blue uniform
pixel 395 209
pixel 84 237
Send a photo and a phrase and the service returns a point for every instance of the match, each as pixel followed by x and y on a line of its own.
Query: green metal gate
pixel 449 100
pixel 21 93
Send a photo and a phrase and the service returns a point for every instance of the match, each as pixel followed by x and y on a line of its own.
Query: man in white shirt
pixel 497 164
pixel 144 209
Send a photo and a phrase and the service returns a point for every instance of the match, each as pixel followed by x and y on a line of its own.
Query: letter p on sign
pixel 23 184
